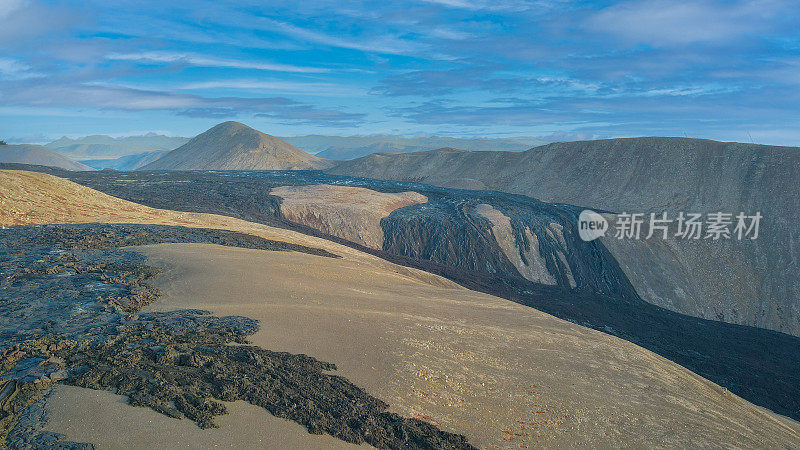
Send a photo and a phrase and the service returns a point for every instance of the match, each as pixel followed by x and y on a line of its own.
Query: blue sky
pixel 727 70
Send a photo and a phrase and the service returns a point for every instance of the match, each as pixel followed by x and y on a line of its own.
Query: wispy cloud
pixel 114 97
pixel 456 66
pixel 286 87
pixel 450 33
pixel 9 6
pixel 205 61
pixel 11 69
pixel 492 5
pixel 386 43
pixel 23 20
pixel 666 23
pixel 438 82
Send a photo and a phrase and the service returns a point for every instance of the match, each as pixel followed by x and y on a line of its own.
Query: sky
pixel 555 69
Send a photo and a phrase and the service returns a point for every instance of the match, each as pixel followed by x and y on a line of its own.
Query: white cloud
pixel 664 23
pixel 9 6
pixel 203 61
pixel 383 44
pixel 12 66
pixel 21 20
pixel 494 5
pixel 682 91
pixel 11 69
pixel 451 34
pixel 122 98
pixel 452 3
pixel 285 87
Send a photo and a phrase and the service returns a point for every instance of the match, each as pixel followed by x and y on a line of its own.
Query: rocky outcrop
pixel 509 237
pixel 457 231
pixel 349 212
pixel 530 263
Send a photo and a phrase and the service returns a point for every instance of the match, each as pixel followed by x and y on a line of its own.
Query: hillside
pixel 38 155
pixel 748 282
pixel 99 147
pixel 234 146
pixel 501 244
pixel 430 349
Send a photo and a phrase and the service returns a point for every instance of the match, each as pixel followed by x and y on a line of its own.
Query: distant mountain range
pixel 235 146
pixel 38 155
pixel 134 152
pixel 751 282
pixel 128 162
pixel 100 147
pixel 342 148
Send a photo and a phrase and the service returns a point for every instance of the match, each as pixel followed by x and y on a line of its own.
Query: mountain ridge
pixel 747 282
pixel 235 146
pixel 342 148
pixel 38 155
pixel 99 147
pixel 127 162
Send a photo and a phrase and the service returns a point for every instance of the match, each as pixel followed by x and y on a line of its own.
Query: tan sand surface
pixel 108 421
pixel 500 373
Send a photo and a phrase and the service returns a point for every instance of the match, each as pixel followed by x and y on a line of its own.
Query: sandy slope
pixel 496 371
pixel 475 364
pixel 106 420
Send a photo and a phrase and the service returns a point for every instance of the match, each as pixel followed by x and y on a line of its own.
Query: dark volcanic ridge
pixel 100 236
pixel 749 283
